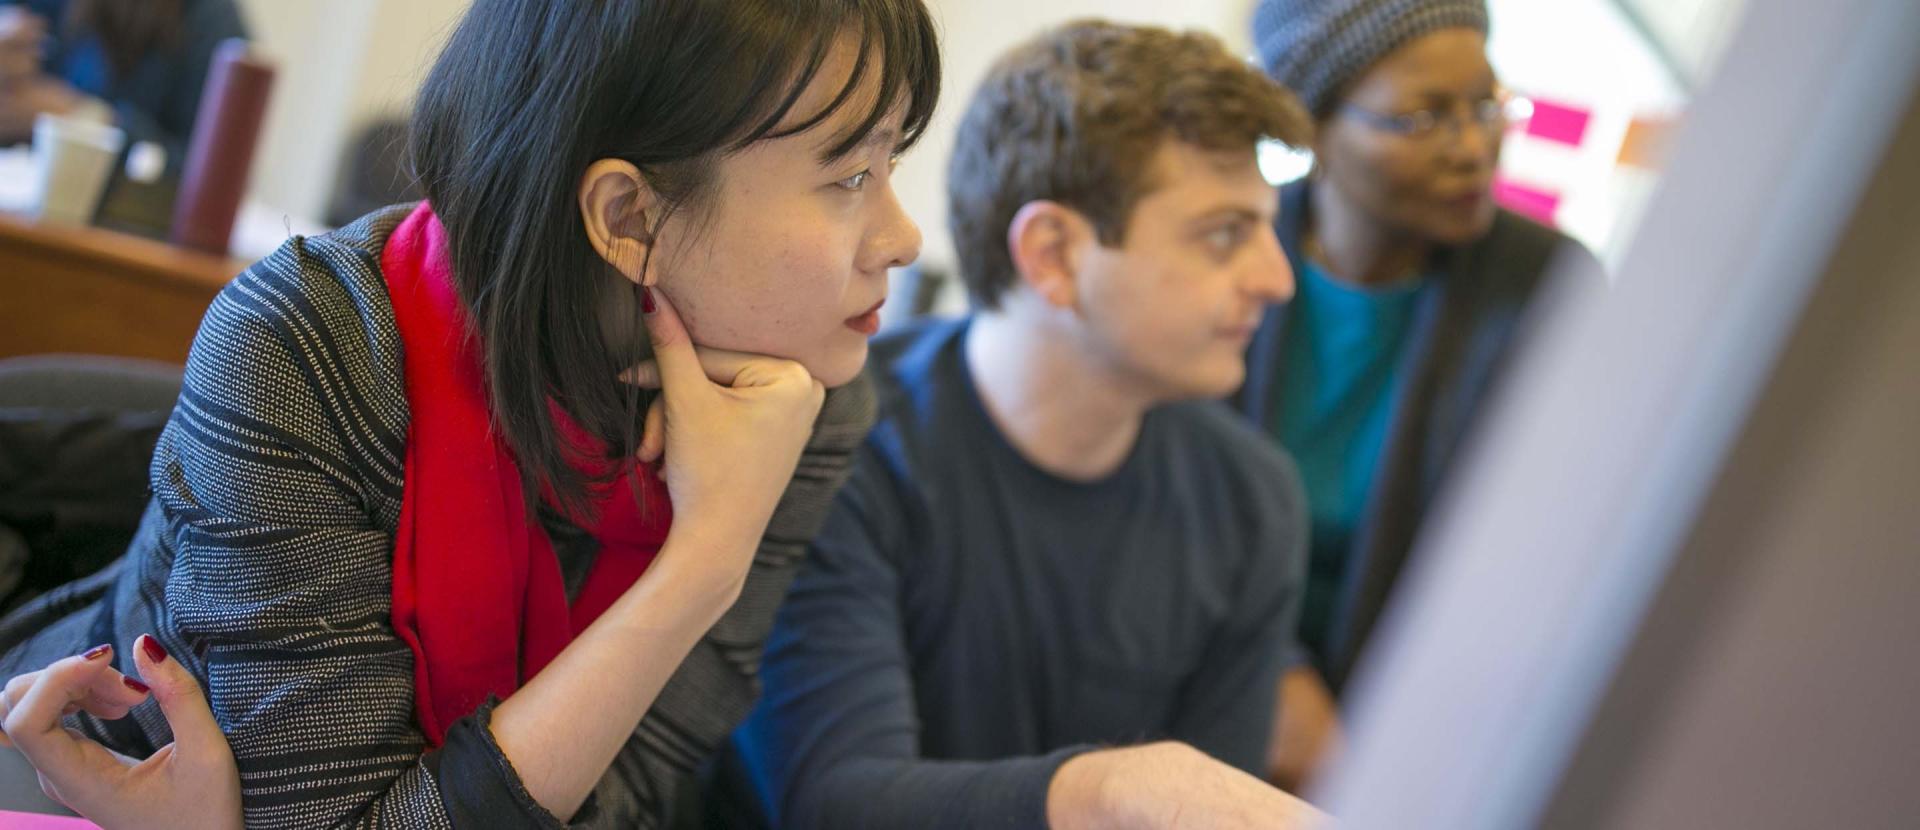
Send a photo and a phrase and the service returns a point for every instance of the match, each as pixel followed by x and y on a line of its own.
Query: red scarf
pixel 477 590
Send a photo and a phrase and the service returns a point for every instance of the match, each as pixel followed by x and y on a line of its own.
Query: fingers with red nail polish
pixel 154 651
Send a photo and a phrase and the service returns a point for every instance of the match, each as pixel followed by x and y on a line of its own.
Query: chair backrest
pixel 93 382
pixel 374 174
pixel 77 434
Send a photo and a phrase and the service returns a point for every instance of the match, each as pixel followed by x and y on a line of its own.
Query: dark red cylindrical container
pixel 214 179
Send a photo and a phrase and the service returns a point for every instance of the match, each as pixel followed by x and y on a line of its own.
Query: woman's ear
pixel 1044 239
pixel 617 206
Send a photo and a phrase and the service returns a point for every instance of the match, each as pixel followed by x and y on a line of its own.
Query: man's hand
pixel 1168 785
pixel 22 100
pixel 22 37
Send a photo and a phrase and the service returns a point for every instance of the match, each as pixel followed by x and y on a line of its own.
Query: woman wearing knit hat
pixel 1410 286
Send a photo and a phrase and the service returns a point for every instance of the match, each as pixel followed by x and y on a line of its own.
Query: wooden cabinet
pixel 95 291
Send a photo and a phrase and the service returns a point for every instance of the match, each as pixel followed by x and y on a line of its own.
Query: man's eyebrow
pixel 1227 212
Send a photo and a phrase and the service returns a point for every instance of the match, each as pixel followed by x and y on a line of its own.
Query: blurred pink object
pixel 39 821
pixel 1531 202
pixel 1559 122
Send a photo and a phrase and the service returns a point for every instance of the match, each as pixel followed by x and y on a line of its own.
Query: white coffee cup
pixel 74 158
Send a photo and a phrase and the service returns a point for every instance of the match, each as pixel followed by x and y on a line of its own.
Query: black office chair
pixel 76 436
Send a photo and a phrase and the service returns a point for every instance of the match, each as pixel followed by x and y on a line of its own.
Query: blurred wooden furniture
pixel 97 291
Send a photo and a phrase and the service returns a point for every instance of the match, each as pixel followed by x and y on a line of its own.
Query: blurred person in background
pixel 138 64
pixel 1412 286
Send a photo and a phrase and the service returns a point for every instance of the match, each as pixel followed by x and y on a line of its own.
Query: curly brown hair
pixel 1076 116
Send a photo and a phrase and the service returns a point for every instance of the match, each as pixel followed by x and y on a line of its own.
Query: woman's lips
pixel 1467 200
pixel 867 322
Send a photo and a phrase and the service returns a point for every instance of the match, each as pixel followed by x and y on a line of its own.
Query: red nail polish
pixel 155 652
pixel 646 300
pixel 97 652
pixel 136 685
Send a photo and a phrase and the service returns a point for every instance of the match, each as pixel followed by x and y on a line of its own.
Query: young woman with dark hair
pixel 476 512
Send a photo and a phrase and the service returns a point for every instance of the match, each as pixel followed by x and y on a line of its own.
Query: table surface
pixel 257 231
pixel 93 291
pixel 110 250
pixel 98 291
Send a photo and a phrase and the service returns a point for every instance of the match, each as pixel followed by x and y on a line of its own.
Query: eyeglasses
pixel 1492 114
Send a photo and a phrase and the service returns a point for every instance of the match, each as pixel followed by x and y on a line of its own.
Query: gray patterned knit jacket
pixel 263 563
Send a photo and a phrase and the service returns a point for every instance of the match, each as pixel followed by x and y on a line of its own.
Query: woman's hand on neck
pixel 1051 403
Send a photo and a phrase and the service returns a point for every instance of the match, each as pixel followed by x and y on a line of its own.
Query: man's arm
pixel 834 741
pixel 1227 706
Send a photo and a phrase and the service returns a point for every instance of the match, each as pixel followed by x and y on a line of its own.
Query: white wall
pixel 1696 30
pixel 1585 53
pixel 341 63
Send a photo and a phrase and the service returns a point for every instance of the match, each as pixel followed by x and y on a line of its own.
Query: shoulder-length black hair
pixel 528 93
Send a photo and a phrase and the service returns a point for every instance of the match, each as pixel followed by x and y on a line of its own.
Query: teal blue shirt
pixel 1342 363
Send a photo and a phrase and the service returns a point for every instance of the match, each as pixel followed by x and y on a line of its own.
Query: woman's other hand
pixel 190 783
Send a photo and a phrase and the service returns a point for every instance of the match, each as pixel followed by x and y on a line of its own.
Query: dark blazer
pixel 1463 329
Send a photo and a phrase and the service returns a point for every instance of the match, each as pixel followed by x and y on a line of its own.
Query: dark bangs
pixel 528 93
pixel 898 36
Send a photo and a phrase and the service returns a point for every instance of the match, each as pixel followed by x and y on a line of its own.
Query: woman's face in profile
pixel 1438 185
pixel 790 256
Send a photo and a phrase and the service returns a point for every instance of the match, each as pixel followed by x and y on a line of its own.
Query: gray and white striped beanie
pixel 1314 47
